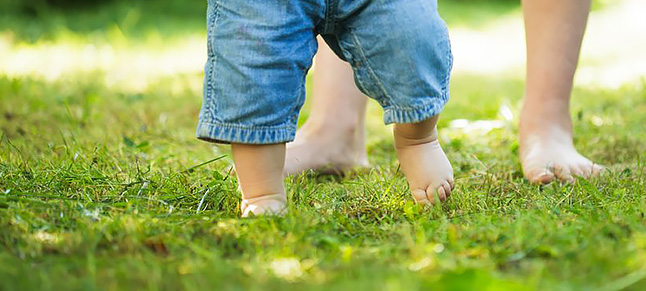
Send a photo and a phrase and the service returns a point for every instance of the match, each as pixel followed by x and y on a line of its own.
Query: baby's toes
pixel 420 197
pixel 264 210
pixel 441 193
pixel 597 169
pixel 259 207
pixel 448 188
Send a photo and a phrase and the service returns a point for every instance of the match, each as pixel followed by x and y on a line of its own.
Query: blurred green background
pixel 45 19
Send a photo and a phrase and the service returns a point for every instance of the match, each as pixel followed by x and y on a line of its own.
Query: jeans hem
pixel 235 133
pixel 415 114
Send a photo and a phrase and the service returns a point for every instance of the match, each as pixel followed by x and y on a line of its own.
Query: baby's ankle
pixel 413 134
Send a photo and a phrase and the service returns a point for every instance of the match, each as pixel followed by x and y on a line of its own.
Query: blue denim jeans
pixel 259 52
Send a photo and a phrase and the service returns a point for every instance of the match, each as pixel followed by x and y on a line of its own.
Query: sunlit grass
pixel 104 186
pixel 94 189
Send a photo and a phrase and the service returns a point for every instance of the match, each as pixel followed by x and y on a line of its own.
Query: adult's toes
pixel 564 174
pixel 591 169
pixel 544 176
pixel 579 171
pixel 596 169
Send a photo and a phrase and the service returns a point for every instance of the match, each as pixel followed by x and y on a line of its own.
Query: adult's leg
pixel 333 137
pixel 554 31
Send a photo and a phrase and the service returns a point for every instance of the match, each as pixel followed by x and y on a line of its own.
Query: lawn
pixel 104 186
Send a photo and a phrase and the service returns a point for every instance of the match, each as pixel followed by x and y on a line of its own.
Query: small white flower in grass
pixel 506 113
pixel 477 126
pixel 163 118
pixel 47 238
pixel 94 214
pixel 597 121
pixel 438 248
pixel 287 268
pixel 458 123
pixel 421 264
pixel 142 189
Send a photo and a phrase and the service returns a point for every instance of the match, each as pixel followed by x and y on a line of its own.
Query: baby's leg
pixel 423 161
pixel 401 56
pixel 254 87
pixel 260 175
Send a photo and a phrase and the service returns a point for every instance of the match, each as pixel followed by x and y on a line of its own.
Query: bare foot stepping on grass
pixel 327 150
pixel 547 152
pixel 423 162
pixel 546 160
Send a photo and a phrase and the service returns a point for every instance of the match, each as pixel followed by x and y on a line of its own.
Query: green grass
pixel 102 188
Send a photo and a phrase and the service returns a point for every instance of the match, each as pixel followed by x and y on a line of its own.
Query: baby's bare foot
pixel 328 151
pixel 423 162
pixel 274 204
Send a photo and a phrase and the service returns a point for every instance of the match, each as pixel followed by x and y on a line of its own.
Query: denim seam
pixel 449 62
pixel 213 60
pixel 362 87
pixel 359 82
pixel 301 95
pixel 330 19
pixel 216 16
pixel 370 70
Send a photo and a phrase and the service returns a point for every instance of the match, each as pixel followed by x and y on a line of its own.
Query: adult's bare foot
pixel 332 139
pixel 326 150
pixel 546 159
pixel 547 152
